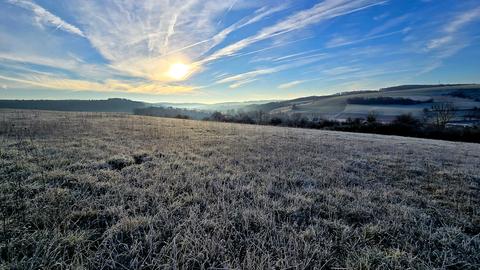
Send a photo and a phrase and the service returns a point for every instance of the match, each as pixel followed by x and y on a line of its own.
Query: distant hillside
pixel 416 86
pixel 109 105
pixel 224 106
pixel 386 103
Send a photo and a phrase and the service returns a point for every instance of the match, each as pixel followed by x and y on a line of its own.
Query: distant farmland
pixel 116 191
pixel 410 99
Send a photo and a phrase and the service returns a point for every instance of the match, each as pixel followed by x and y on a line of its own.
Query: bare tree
pixel 372 117
pixel 443 113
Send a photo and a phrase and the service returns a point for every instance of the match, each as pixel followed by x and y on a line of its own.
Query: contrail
pixel 170 31
pixel 226 13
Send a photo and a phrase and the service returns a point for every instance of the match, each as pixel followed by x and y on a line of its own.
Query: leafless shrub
pixel 443 113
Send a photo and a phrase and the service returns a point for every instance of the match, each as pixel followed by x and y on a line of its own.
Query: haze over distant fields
pixel 231 50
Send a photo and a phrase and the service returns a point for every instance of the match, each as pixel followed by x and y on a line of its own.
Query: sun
pixel 178 71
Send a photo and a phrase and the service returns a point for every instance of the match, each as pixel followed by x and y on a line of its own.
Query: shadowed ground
pixel 112 191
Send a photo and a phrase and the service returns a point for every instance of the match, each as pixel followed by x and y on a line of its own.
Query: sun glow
pixel 178 71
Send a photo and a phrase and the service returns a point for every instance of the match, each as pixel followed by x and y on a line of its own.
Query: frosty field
pixel 115 191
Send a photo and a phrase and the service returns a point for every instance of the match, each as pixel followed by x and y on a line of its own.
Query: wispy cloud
pixel 322 11
pixel 71 64
pixel 451 29
pixel 450 41
pixel 250 76
pixel 309 56
pixel 462 19
pixel 391 23
pixel 341 70
pixel 344 41
pixel 439 42
pixel 44 18
pixel 259 15
pixel 59 83
pixel 170 32
pixel 237 55
pixel 241 83
pixel 331 73
pixel 291 84
pixel 327 9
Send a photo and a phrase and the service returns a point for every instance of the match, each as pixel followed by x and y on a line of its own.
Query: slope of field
pixel 337 107
pixel 113 191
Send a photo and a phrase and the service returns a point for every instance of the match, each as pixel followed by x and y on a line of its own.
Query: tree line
pixel 171 112
pixel 108 105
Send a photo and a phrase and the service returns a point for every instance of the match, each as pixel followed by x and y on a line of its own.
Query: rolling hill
pixel 339 107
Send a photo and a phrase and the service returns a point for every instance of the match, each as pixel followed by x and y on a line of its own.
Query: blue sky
pixel 232 50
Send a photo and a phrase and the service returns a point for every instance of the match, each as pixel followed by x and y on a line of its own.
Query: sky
pixel 232 50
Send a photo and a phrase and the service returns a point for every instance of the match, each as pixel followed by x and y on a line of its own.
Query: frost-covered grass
pixel 106 191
